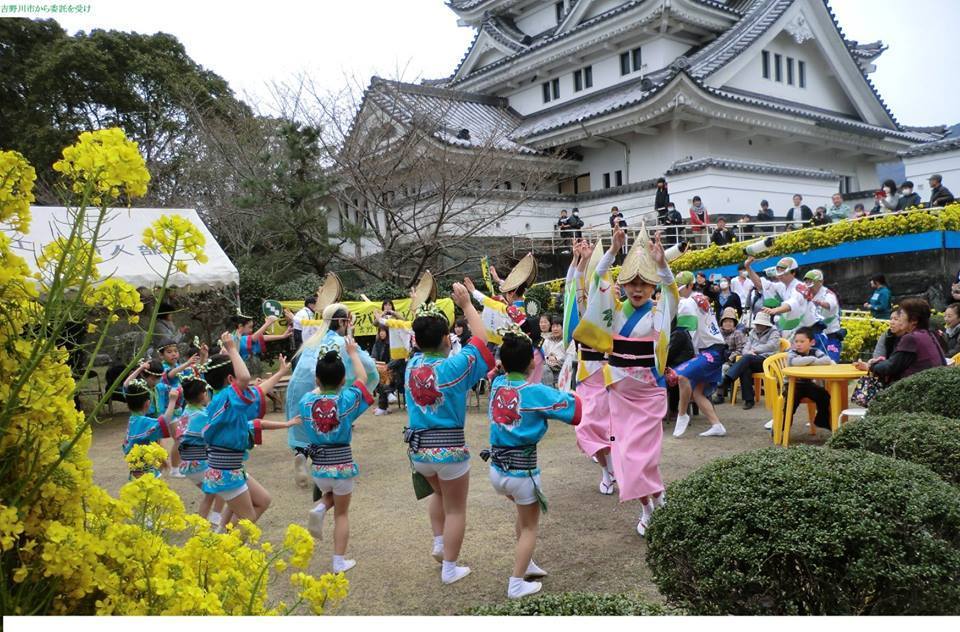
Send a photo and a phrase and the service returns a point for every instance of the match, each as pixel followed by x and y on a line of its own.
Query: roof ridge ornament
pixel 799 28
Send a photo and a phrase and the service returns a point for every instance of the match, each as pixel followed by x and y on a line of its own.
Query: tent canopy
pixel 121 246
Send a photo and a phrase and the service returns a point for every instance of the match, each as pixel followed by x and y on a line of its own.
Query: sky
pixel 251 44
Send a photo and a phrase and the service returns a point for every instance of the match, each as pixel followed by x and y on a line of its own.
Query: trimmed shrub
pixel 573 604
pixel 932 391
pixel 808 531
pixel 929 440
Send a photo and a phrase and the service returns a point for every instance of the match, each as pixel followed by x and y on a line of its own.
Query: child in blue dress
pixel 436 387
pixel 252 343
pixel 235 424
pixel 190 444
pixel 173 371
pixel 142 428
pixel 518 414
pixel 328 413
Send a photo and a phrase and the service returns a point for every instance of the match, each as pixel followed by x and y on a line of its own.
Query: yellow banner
pixel 363 324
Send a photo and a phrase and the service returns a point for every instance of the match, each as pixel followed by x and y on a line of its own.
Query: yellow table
pixel 836 379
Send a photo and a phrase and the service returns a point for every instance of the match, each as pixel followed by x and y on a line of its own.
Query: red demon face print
pixel 423 387
pixel 324 414
pixel 505 406
pixel 805 291
pixel 702 302
pixel 516 314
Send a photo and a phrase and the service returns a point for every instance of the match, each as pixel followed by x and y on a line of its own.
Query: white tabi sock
pixel 452 573
pixel 715 430
pixel 681 427
pixel 213 518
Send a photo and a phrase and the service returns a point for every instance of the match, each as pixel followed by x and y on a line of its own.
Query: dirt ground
pixel 587 541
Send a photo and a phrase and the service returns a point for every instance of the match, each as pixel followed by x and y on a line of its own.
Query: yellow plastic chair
pixel 955 360
pixel 776 398
pixel 757 378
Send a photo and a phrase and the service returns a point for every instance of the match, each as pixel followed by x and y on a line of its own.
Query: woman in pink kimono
pixel 635 335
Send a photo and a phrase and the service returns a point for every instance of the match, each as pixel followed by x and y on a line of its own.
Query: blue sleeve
pixel 563 407
pixel 482 361
pixel 353 402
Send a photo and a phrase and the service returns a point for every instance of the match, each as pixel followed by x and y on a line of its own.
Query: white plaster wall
pixel 920 168
pixel 606 159
pixel 823 90
pixel 658 53
pixel 537 19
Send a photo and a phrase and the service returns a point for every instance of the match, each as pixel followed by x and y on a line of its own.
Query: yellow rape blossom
pixel 300 542
pixel 106 162
pixel 150 456
pixel 16 190
pixel 114 295
pixel 175 234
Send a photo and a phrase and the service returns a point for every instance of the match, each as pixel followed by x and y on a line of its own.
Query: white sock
pixel 213 518
pixel 647 511
pixel 606 477
pixel 715 430
pixel 517 588
pixel 681 427
pixel 438 541
pixel 320 508
pixel 451 572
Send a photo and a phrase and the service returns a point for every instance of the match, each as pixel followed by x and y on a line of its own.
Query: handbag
pixel 866 389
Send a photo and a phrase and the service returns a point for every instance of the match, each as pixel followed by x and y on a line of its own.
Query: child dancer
pixel 142 429
pixel 253 343
pixel 235 416
pixel 436 390
pixel 172 372
pixel 328 413
pixel 192 449
pixel 518 414
pixel 636 334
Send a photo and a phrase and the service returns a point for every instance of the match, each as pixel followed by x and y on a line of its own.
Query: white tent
pixel 121 246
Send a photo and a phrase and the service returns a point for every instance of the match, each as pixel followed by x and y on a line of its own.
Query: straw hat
pixel 729 312
pixel 638 262
pixel 426 291
pixel 330 292
pixel 524 273
pixel 762 318
pixel 595 258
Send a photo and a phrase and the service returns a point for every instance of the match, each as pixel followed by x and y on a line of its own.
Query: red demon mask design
pixel 702 302
pixel 505 407
pixel 324 414
pixel 516 314
pixel 805 291
pixel 423 386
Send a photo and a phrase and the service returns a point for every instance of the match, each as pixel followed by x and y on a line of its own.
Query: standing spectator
pixel 305 313
pixel 939 194
pixel 722 235
pixel 381 355
pixel 674 218
pixel 662 201
pixel 859 212
pixel 799 211
pixel 917 348
pixel 839 210
pixel 575 223
pixel 699 217
pixel 951 332
pixel 727 299
pixel 908 199
pixel 765 214
pixel 616 218
pixel 820 217
pixel 886 199
pixel 741 285
pixel 563 224
pixel 879 303
pixel 743 226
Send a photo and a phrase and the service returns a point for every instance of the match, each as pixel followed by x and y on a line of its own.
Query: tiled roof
pixel 936 147
pixel 488 119
pixel 686 166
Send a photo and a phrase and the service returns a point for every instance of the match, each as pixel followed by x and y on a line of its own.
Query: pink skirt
pixel 636 416
pixel 593 431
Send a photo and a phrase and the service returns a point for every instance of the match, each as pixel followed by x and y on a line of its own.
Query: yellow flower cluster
pixel 318 592
pixel 174 235
pixel 66 546
pixel 70 260
pixel 863 331
pixel 105 166
pixel 144 457
pixel 16 190
pixel 115 295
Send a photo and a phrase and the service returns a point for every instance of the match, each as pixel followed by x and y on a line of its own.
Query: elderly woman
pixel 916 349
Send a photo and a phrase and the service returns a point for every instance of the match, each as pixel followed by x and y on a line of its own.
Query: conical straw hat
pixel 594 260
pixel 426 291
pixel 638 262
pixel 330 292
pixel 525 272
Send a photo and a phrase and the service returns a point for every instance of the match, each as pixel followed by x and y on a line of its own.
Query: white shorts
pixel 443 471
pixel 521 488
pixel 230 494
pixel 339 486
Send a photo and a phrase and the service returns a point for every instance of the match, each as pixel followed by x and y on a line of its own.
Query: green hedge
pixel 809 531
pixel 573 604
pixel 929 440
pixel 935 391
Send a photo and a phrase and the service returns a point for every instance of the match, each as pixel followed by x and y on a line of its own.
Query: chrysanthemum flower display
pixel 67 546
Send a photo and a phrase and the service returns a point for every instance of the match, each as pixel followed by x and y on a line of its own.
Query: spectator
pixel 859 212
pixel 939 194
pixel 575 223
pixel 955 289
pixel 743 226
pixel 563 224
pixel 661 201
pixel 917 348
pixel 699 219
pixel 820 217
pixel 553 350
pixel 381 355
pixel 839 210
pixel 616 218
pixel 722 235
pixel 703 286
pixel 762 342
pixel 879 303
pixel 804 353
pixel 886 199
pixel 908 199
pixel 799 211
pixel 951 331
pixel 765 214
pixel 674 218
pixel 727 299
pixel 305 313
pixel 741 285
pixel 734 337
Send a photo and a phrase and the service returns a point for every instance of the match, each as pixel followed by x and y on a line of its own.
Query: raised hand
pixel 749 262
pixel 619 239
pixel 284 365
pixel 656 251
pixel 227 342
pixel 461 296
pixel 351 345
pixel 468 283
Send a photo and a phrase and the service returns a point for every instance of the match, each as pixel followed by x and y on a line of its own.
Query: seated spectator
pixel 674 218
pixel 722 235
pixel 804 353
pixel 733 336
pixel 381 355
pixel 886 199
pixel 799 212
pixel 702 285
pixel 553 350
pixel 839 210
pixel 879 303
pixel 908 199
pixel 939 194
pixel 951 332
pixel 762 342
pixel 727 299
pixel 820 217
pixel 743 224
pixel 859 211
pixel 917 348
